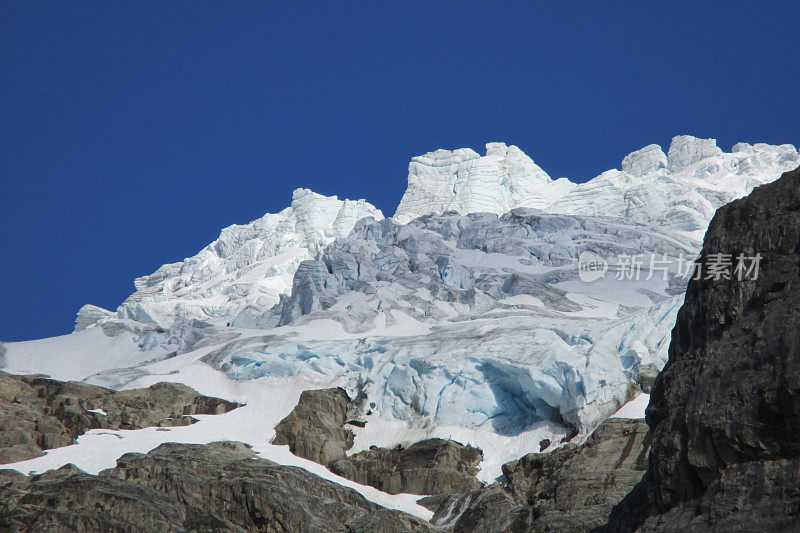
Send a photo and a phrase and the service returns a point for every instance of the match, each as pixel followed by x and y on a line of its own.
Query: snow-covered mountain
pixel 247 266
pixel 677 191
pixel 463 315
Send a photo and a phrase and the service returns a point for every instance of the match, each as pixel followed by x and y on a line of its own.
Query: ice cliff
pixel 473 320
pixel 678 191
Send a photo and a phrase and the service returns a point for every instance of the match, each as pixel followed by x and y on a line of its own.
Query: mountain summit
pixel 678 191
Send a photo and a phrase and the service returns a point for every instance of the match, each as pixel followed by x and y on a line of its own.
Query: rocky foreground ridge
pixel 221 486
pixel 224 486
pixel 38 414
pixel 571 489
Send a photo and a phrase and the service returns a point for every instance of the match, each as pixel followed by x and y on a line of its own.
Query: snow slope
pixel 78 355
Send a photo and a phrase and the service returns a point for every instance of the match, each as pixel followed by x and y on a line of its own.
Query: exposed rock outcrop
pixel 315 427
pixel 433 466
pixel 38 413
pixel 570 489
pixel 221 486
pixel 725 411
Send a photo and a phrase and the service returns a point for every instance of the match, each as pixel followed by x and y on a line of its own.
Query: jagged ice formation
pixel 465 308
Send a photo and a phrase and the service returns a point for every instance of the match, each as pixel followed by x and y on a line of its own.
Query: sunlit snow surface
pixel 634 408
pixel 462 317
pixel 77 355
pixel 679 190
pixel 248 265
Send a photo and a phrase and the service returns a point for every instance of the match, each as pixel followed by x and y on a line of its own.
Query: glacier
pixel 500 333
pixel 679 191
pixel 248 265
pixel 463 310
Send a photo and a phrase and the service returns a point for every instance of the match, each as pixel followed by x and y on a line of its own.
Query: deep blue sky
pixel 130 135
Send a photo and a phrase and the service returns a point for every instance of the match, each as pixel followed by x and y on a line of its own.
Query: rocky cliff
pixel 570 489
pixel 725 411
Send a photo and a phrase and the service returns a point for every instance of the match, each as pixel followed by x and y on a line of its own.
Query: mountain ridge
pixel 462 181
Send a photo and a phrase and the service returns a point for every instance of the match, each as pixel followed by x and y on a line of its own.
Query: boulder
pixel 315 427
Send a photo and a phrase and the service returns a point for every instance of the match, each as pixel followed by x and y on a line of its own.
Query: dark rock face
pixel 570 489
pixel 725 411
pixel 490 509
pixel 432 466
pixel 752 496
pixel 182 487
pixel 38 414
pixel 315 427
